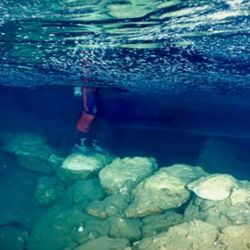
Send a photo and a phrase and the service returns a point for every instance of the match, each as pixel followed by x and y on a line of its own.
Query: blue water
pixel 174 80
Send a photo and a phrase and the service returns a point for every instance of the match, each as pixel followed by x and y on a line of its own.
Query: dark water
pixel 174 79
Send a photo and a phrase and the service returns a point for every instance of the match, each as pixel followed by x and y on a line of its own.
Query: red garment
pixel 85 122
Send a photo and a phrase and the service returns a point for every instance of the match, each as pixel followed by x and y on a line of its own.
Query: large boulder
pixel 32 152
pixel 191 235
pixel 124 174
pixel 157 193
pixel 214 187
pixel 198 235
pixel 235 237
pixel 79 166
pixel 234 210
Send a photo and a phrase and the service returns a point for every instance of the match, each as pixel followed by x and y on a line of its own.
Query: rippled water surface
pixel 173 45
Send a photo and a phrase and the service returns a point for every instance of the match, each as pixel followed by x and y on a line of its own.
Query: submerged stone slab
pixel 124 174
pixel 157 193
pixel 32 152
pixel 79 166
pixel 214 187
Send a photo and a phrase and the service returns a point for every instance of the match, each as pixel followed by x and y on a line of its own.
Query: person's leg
pixel 91 136
pixel 80 138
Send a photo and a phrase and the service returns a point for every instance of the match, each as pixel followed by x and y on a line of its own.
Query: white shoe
pixel 82 146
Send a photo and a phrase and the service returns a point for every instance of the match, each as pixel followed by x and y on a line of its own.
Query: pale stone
pixel 79 162
pixel 79 166
pixel 214 187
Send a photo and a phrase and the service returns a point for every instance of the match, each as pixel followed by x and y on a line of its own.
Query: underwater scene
pixel 125 125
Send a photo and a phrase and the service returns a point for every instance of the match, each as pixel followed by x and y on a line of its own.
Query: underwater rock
pixel 155 224
pixel 185 172
pixel 111 205
pixel 122 175
pixel 157 193
pixel 32 152
pixel 235 210
pixel 214 187
pixel 198 235
pixel 53 231
pixel 188 235
pixel 85 191
pixel 129 229
pixel 12 238
pixel 240 193
pixel 48 190
pixel 79 166
pixel 104 243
